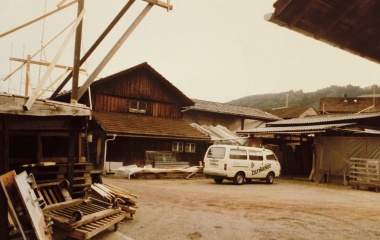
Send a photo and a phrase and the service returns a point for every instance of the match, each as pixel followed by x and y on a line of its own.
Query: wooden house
pixel 135 112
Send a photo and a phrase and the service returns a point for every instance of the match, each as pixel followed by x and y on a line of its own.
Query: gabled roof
pixel 291 112
pixel 349 105
pixel 143 66
pixel 224 108
pixel 138 125
pixel 351 25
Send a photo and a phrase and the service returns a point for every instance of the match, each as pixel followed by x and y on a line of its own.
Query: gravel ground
pixel 288 209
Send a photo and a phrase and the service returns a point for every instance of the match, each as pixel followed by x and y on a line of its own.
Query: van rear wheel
pixel 218 180
pixel 270 178
pixel 239 178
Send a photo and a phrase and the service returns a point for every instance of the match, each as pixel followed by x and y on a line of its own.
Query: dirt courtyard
pixel 288 209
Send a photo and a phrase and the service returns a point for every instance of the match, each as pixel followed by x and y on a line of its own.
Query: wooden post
pixel 76 65
pixel 71 160
pixel 4 168
pixel 27 76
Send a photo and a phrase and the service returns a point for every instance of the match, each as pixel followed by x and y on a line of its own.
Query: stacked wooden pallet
pixel 364 172
pixel 58 173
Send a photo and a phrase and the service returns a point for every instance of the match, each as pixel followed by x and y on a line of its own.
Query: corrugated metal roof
pixel 323 119
pixel 294 129
pixel 145 126
pixel 220 133
pixel 224 108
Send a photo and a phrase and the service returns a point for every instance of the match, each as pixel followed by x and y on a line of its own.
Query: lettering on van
pixel 261 169
pixel 213 162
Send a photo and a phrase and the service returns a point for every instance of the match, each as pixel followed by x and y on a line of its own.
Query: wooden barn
pixel 136 112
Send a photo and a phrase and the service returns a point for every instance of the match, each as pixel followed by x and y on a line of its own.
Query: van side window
pixel 216 152
pixel 271 157
pixel 255 155
pixel 238 154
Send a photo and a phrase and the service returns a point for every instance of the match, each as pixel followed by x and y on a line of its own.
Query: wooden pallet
pixel 78 212
pixel 91 229
pixel 364 173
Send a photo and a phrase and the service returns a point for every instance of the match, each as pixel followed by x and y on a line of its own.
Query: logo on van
pixel 261 169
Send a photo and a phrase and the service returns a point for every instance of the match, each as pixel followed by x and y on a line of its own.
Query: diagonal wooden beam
pixel 37 19
pixel 112 52
pixel 95 45
pixel 31 100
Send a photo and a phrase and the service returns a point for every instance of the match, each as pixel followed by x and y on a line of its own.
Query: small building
pixel 337 105
pixel 293 112
pixel 321 147
pixel 232 117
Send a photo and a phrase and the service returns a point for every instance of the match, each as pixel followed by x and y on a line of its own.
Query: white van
pixel 237 163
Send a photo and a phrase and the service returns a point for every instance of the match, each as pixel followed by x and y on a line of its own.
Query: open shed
pixel 49 131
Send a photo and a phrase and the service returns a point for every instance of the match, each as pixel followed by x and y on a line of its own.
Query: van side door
pixel 238 160
pixel 257 169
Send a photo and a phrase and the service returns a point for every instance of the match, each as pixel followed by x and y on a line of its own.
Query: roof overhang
pixel 13 105
pixel 350 25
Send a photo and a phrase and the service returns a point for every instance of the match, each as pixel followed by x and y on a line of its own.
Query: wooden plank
pixel 43 63
pixel 14 202
pixel 32 207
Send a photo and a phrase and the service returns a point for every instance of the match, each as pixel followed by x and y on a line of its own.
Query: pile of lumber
pixel 115 195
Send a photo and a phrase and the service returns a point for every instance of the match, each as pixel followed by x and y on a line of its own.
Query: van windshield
pixel 216 152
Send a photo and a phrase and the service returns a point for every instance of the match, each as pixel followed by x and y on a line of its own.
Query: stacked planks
pixel 115 195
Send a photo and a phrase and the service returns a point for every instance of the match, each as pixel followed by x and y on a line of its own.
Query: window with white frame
pixel 137 106
pixel 177 147
pixel 190 147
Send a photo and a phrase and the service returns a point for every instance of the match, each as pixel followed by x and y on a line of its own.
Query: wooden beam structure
pixel 37 19
pixel 96 44
pixel 30 101
pixel 115 48
pixel 43 63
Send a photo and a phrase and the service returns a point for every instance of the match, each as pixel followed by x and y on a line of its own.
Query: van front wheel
pixel 270 178
pixel 239 178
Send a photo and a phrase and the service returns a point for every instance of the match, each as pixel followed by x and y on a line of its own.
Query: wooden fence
pixel 364 172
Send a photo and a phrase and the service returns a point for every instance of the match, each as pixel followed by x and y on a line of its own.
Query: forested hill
pixel 300 98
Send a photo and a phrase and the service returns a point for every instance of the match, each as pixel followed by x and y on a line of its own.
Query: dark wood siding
pixel 116 96
pixel 132 151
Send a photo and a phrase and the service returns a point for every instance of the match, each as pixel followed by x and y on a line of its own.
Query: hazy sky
pixel 215 50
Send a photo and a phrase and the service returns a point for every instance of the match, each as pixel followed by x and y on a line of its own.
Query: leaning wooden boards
pixel 24 206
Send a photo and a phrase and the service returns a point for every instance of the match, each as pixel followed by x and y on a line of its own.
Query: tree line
pixel 299 98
